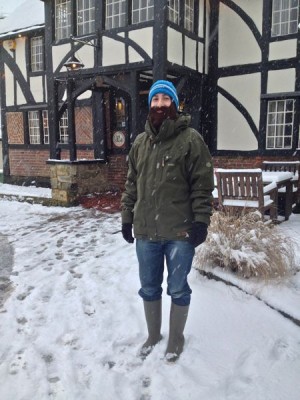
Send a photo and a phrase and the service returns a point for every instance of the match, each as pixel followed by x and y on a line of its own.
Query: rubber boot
pixel 178 317
pixel 153 319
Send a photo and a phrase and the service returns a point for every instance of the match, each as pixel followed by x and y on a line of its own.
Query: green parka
pixel 169 183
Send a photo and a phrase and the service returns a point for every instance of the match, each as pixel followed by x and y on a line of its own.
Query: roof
pixel 27 16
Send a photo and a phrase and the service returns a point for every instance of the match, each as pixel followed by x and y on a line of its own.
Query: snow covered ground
pixel 73 323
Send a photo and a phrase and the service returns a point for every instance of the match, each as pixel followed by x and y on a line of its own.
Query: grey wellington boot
pixel 153 319
pixel 178 317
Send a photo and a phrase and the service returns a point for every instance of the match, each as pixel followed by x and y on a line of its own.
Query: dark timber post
pixel 160 40
pixel 71 121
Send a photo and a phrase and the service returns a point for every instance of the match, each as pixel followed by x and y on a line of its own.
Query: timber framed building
pixel 235 63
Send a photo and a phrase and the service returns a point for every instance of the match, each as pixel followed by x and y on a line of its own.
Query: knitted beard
pixel 157 115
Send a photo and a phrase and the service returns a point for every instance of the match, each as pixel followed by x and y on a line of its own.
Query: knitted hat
pixel 165 87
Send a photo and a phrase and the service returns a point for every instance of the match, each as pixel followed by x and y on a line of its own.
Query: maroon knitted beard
pixel 158 114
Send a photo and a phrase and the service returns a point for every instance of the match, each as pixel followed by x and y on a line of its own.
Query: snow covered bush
pixel 247 246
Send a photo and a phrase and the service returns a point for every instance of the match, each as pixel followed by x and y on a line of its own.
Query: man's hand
pixel 127 232
pixel 197 234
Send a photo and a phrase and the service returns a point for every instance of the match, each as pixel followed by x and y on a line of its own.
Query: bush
pixel 247 246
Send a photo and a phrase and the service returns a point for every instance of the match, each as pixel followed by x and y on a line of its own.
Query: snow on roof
pixel 29 15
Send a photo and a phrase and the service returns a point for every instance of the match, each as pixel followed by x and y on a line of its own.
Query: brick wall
pixel 15 127
pixel 245 162
pixel 29 162
pixel 117 170
pixel 84 125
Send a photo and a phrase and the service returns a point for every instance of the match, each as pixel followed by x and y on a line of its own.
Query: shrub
pixel 247 246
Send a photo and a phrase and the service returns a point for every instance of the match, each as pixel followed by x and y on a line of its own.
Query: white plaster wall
pixel 246 89
pixel 144 38
pixel 134 56
pixel 9 85
pixel 20 97
pixel 201 19
pixel 190 53
pixel 86 55
pixel 85 95
pixel 281 81
pixel 283 49
pixel 36 87
pixel 237 44
pixel 58 53
pixel 20 56
pixel 113 52
pixel 200 57
pixel 253 8
pixel 234 132
pixel 174 52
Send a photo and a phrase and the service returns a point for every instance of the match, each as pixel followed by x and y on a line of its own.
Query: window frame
pixel 87 7
pixel 189 23
pixel 286 12
pixel 63 30
pixel 140 10
pixel 46 133
pixel 179 8
pixel 280 124
pixel 174 11
pixel 65 26
pixel 37 58
pixel 38 127
pixel 114 20
pixel 63 128
pixel 34 128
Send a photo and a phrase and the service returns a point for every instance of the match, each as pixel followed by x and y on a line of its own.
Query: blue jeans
pixel 179 256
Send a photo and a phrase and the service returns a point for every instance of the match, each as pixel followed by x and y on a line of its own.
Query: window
pixel 189 15
pixel 120 111
pixel 38 133
pixel 174 11
pixel 142 10
pixel 63 19
pixel 85 16
pixel 280 124
pixel 34 127
pixel 285 15
pixel 37 53
pixel 45 126
pixel 115 13
pixel 63 128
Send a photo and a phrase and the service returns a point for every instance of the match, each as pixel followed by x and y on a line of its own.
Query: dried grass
pixel 247 246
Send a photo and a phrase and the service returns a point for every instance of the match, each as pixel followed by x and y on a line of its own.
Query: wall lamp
pixel 73 64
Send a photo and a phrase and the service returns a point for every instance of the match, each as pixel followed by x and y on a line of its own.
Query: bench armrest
pixel 270 188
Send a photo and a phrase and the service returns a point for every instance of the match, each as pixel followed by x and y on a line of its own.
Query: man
pixel 167 199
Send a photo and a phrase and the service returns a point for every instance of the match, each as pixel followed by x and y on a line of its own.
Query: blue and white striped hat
pixel 165 87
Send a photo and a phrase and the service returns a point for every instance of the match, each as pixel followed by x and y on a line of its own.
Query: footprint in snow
pixel 282 349
pixel 18 363
pixel 22 296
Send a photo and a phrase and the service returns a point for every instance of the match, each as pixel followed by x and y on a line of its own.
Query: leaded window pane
pixel 63 18
pixel 142 10
pixel 285 16
pixel 280 120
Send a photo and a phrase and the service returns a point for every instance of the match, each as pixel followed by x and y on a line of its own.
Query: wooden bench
pixel 241 190
pixel 287 166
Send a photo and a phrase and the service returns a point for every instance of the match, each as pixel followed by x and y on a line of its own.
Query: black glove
pixel 198 233
pixel 127 232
